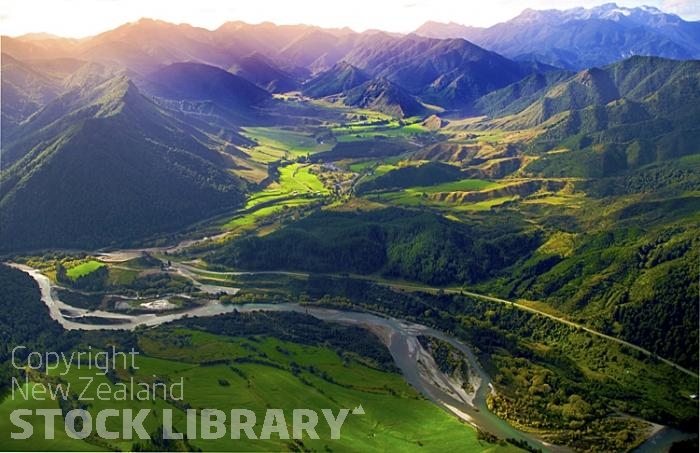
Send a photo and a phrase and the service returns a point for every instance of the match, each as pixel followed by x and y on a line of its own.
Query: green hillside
pixel 336 80
pixel 115 171
pixel 254 361
pixel 427 174
pixel 547 219
pixel 394 242
pixel 386 97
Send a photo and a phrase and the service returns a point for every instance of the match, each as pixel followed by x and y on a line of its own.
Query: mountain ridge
pixel 578 38
pixel 121 160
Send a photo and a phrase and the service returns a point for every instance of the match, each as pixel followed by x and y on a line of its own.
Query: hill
pixel 429 173
pixel 336 80
pixel 199 82
pixel 395 242
pixel 519 95
pixel 24 91
pixel 386 97
pixel 623 116
pixel 145 45
pixel 264 73
pixel 115 169
pixel 451 72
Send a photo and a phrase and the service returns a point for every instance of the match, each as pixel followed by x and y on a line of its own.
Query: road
pixel 433 289
pixel 400 337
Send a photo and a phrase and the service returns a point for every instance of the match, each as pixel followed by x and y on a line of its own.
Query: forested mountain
pixel 28 86
pixel 147 44
pixel 634 112
pixel 106 166
pixel 336 80
pixel 395 242
pixel 264 73
pixel 580 38
pixel 24 91
pixel 199 82
pixel 450 73
pixel 292 46
pixel 623 263
pixel 531 190
pixel 611 119
pixel 516 97
pixel 383 96
pixel 24 321
pixel 657 81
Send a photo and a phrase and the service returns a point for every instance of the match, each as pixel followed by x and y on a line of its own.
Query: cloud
pixel 687 9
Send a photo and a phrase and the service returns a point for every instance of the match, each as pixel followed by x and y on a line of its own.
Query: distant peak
pixel 148 21
pixel 650 9
pixel 609 11
pixel 37 36
pixel 345 65
pixel 530 14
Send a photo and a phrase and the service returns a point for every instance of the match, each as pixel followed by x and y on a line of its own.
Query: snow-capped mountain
pixel 581 37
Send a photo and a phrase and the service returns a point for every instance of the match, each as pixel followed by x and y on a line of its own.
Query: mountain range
pixel 546 169
pixel 142 126
pixel 635 112
pixel 450 72
pixel 580 38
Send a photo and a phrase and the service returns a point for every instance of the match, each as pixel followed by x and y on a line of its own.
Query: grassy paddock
pixel 83 269
pixel 258 373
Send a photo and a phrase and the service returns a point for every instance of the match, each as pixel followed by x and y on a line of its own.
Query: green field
pixel 251 218
pixel 297 186
pixel 264 373
pixel 359 167
pixel 486 204
pixel 464 185
pixel 119 276
pixel 362 131
pixel 276 143
pixel 83 269
pixel 377 168
pixel 294 180
pixel 298 178
pixel 60 442
pixel 416 196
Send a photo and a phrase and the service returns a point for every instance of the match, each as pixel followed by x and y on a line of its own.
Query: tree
pixel 61 274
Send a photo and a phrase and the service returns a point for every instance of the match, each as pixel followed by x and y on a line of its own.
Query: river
pixel 400 337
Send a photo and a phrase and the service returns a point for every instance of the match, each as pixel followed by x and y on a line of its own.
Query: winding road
pixel 399 336
pixel 192 271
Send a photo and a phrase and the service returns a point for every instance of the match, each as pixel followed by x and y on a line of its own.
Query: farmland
pixel 83 269
pixel 256 373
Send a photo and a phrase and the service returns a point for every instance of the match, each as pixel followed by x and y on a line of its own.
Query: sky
pixel 81 18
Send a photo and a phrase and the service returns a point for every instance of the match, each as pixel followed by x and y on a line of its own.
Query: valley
pixel 400 337
pixel 486 251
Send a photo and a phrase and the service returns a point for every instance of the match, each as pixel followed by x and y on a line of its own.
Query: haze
pixel 81 18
